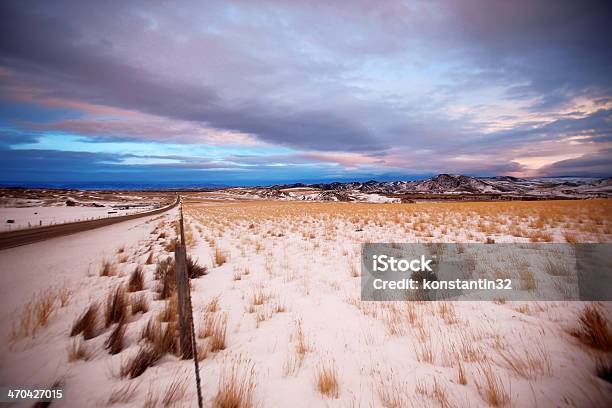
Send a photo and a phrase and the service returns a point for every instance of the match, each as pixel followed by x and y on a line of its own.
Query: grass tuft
pixel 136 282
pixel 594 328
pixel 115 308
pixel 86 323
pixel 194 269
pixel 326 379
pixel 236 384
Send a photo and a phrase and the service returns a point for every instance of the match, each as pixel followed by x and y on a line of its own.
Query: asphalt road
pixel 10 239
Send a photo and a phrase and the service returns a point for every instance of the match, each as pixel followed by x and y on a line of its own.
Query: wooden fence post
pixel 183 304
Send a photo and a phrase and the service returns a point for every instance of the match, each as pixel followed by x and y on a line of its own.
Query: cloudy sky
pixel 258 92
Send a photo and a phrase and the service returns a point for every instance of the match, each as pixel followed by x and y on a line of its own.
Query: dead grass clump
pixel 162 337
pixel 195 270
pixel 175 391
pixel 107 268
pixel 553 268
pixel 236 384
pixel 150 329
pixel 447 312
pixel 531 363
pixel 594 328
pixel 171 246
pixel 151 399
pixel 145 357
pixel 136 282
pixel 42 308
pixel 213 305
pixel 115 342
pixel 326 379
pixel 436 392
pixel 63 295
pixel 301 346
pixel 36 313
pixel 604 369
pixel 78 351
pixel 218 333
pixel 528 281
pixel 115 308
pixel 170 312
pixel 220 257
pixel 86 323
pixel 571 237
pixel 139 304
pixel 424 351
pixel 165 272
pixel 461 377
pixel 124 394
pixel 259 296
pixel 491 387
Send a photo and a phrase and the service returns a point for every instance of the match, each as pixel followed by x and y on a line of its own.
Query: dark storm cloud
pixel 558 48
pixel 319 76
pixel 45 52
pixel 596 165
pixel 11 138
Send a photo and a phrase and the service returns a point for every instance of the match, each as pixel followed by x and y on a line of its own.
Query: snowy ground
pixel 28 217
pixel 283 286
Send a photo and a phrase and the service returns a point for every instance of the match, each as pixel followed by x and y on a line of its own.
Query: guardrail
pixel 10 239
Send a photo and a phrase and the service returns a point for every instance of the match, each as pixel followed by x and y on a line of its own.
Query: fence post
pixel 182 288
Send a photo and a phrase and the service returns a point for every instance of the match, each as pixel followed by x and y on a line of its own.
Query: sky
pixel 262 92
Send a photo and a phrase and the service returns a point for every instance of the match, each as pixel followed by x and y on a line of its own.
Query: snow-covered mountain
pixel 460 184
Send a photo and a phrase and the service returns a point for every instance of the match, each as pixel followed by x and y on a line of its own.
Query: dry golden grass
pixel 170 311
pixel 212 306
pixel 219 257
pixel 491 387
pixel 218 332
pixel 107 268
pixel 146 356
pixel 87 322
pixel 531 362
pixel 435 392
pixel 115 341
pixel 528 281
pixel 136 281
pixel 165 273
pixel 603 368
pixel 171 246
pixel 194 270
pixel 447 312
pixel 139 303
pixel 124 394
pixel 493 218
pixel 326 379
pixel 78 350
pixel 237 383
pixel 115 307
pixel 461 377
pixel 175 391
pixel 594 328
pixel 151 399
pixel 36 313
pixel 301 345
